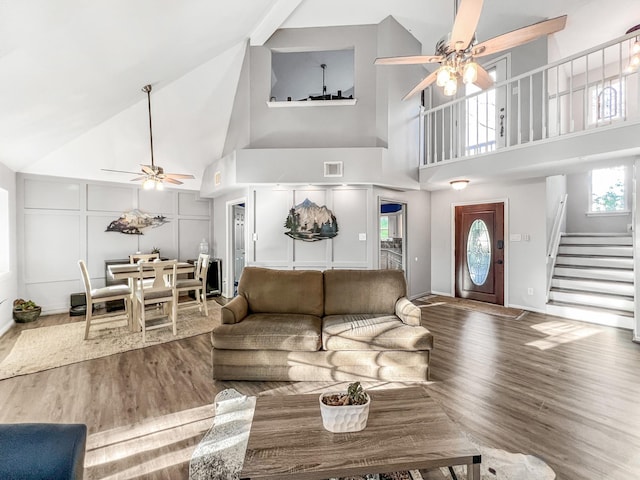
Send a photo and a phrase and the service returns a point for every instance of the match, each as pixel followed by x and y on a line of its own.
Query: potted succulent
pixel 345 411
pixel 25 311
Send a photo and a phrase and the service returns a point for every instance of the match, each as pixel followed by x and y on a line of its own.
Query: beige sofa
pixel 311 325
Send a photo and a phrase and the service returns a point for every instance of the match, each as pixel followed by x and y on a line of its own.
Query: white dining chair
pixel 159 292
pixel 147 257
pixel 101 295
pixel 198 284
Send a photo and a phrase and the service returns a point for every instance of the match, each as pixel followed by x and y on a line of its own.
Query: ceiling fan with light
pixel 457 51
pixel 153 176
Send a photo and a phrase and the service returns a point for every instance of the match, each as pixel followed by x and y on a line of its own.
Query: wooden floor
pixel 566 391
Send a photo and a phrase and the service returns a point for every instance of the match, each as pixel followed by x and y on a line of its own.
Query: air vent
pixel 332 169
pixel 217 178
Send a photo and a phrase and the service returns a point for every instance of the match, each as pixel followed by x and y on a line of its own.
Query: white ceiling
pixel 71 70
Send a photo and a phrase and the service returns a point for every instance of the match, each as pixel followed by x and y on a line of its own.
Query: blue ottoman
pixel 31 451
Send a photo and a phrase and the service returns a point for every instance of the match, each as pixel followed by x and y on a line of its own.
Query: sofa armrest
pixel 235 310
pixel 408 312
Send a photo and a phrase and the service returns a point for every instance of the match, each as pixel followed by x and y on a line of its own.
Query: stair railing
pixel 554 240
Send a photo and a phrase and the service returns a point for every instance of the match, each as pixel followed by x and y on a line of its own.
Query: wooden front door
pixel 479 252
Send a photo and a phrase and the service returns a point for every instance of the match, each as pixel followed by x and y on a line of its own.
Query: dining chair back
pixel 160 290
pixel 147 257
pixel 198 284
pixel 101 295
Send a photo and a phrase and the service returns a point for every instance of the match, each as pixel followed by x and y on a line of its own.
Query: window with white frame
pixel 481 119
pixel 608 193
pixel 384 227
pixel 607 101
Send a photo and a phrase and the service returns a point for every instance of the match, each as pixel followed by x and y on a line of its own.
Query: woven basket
pixel 26 316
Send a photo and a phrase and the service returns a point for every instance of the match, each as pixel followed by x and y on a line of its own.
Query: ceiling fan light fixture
pixel 470 73
pixel 635 48
pixel 451 87
pixel 444 75
pixel 149 184
pixel 159 185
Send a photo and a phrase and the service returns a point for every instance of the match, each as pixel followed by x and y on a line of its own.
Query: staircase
pixel 593 279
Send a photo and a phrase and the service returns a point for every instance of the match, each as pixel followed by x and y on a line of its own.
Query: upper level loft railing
pixel 593 89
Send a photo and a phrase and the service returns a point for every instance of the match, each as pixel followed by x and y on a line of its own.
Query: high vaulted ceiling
pixel 71 70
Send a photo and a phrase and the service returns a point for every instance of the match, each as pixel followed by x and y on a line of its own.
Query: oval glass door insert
pixel 478 252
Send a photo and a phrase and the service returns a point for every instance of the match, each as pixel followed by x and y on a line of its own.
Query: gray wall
pixel 525 261
pixel 418 237
pixel 578 186
pixel 62 220
pixel 9 280
pixel 315 126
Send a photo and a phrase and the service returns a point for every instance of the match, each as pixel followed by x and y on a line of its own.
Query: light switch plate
pixel 362 237
pixel 515 237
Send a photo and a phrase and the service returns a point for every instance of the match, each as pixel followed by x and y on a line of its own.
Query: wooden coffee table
pixel 406 430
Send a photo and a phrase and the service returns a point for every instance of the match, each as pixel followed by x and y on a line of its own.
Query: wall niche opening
pixel 312 75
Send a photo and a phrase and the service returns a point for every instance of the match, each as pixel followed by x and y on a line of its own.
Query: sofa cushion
pixel 270 331
pixel 282 291
pixel 373 332
pixel 362 291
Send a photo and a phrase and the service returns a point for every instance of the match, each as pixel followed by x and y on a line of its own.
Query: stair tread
pixel 622 313
pixel 588 267
pixel 592 294
pixel 594 280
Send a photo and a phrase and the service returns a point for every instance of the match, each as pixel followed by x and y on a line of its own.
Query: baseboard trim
pixel 5 328
pixel 419 295
pixel 443 294
pixel 526 308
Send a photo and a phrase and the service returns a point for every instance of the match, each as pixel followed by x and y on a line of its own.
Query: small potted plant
pixel 345 411
pixel 25 311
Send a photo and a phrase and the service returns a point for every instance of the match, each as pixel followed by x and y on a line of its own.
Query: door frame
pixel 507 262
pixel 405 226
pixel 228 290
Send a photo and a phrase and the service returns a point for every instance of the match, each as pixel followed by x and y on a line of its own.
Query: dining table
pixel 131 272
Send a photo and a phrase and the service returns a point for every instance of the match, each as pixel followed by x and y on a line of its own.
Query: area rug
pixel 220 454
pixel 472 305
pixel 43 348
pixel 502 465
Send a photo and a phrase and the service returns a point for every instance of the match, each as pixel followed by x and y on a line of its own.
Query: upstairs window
pixel 481 119
pixel 607 101
pixel 608 192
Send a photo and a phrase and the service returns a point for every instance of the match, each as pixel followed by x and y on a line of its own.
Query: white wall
pixel 62 220
pixel 525 261
pixel 267 212
pixel 578 190
pixel 9 280
pixel 356 211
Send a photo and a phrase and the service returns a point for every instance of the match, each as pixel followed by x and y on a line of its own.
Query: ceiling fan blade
pixel 178 175
pixel 171 180
pixel 519 36
pixel 137 179
pixel 464 26
pixel 411 60
pixel 428 80
pixel 119 171
pixel 147 169
pixel 484 80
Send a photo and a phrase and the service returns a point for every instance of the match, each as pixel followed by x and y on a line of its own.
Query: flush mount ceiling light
pixel 459 184
pixel 153 176
pixel 457 51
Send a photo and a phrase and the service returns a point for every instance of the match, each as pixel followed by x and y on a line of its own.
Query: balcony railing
pixel 593 89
